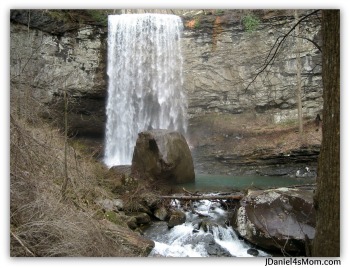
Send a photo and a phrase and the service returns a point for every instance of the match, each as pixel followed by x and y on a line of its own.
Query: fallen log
pixel 203 197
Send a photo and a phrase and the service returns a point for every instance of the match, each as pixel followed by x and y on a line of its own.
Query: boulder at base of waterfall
pixel 280 220
pixel 162 155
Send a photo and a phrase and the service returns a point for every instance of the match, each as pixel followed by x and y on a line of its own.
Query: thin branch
pixel 22 244
pixel 278 43
pixel 311 41
pixel 190 193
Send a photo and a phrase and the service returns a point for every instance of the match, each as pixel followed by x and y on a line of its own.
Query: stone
pixel 277 219
pixel 137 207
pixel 162 155
pixel 220 59
pixel 207 226
pixel 177 217
pixel 110 204
pixel 161 213
pixel 141 218
pixel 253 252
pixel 132 223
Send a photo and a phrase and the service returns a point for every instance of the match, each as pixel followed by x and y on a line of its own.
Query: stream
pixel 199 236
pixel 208 232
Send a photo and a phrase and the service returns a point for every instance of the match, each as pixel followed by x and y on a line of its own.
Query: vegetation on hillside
pixel 42 223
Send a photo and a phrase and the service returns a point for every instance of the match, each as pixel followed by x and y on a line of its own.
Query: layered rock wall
pixel 51 54
pixel 221 58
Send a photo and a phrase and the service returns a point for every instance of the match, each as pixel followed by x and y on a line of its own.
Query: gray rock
pixel 162 155
pixel 161 213
pixel 118 203
pixel 110 204
pixel 177 217
pixel 207 226
pixel 253 252
pixel 277 219
pixel 80 64
pixel 220 58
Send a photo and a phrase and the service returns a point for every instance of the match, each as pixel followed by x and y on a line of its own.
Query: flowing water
pixel 204 235
pixel 209 233
pixel 144 81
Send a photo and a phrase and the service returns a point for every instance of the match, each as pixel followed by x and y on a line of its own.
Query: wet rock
pixel 177 217
pixel 162 155
pixel 217 251
pixel 207 226
pixel 213 249
pixel 253 252
pixel 161 213
pixel 278 219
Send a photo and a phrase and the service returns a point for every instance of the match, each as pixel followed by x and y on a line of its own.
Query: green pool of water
pixel 210 182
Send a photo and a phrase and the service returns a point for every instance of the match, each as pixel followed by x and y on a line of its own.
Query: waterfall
pixel 144 81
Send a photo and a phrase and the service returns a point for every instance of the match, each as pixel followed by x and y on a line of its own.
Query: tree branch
pixel 278 44
pixel 22 244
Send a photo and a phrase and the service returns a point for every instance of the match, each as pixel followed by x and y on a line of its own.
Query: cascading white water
pixel 144 81
pixel 188 240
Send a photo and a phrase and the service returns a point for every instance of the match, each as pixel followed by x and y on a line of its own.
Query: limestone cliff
pixel 221 58
pixel 53 51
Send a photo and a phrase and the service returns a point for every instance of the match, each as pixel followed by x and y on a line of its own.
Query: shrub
pixel 250 23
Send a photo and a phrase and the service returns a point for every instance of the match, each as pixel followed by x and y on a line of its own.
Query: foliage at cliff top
pixel 250 23
pixel 87 16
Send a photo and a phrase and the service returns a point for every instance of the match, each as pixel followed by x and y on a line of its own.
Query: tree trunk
pixel 298 91
pixel 327 198
pixel 66 178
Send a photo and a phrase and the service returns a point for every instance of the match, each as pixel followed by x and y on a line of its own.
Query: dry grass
pixel 42 224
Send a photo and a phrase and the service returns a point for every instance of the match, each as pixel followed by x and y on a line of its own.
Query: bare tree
pixel 327 198
pixel 298 90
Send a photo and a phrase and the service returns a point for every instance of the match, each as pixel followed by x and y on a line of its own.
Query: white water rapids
pixel 191 240
pixel 144 81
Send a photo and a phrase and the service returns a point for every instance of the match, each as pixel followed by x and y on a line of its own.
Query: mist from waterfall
pixel 144 81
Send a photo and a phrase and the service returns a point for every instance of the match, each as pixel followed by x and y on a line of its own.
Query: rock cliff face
pixel 52 53
pixel 221 58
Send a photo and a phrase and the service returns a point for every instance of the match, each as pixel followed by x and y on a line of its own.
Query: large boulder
pixel 162 155
pixel 277 219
